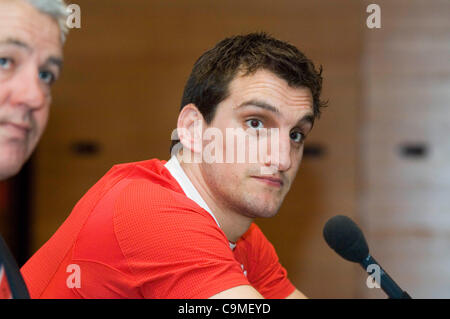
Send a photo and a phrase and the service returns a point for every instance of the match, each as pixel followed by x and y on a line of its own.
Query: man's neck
pixel 233 224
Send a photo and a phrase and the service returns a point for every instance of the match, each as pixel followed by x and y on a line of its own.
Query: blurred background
pixel 380 153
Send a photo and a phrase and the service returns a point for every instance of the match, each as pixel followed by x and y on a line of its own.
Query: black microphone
pixel 347 240
pixel 12 284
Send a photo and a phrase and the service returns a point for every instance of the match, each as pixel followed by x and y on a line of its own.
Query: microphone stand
pixel 387 283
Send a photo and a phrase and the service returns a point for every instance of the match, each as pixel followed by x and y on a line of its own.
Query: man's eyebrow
pixel 260 104
pixel 308 118
pixel 51 60
pixel 55 61
pixel 16 42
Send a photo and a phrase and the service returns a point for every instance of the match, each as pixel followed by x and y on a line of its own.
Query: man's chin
pixel 11 163
pixel 267 214
pixel 7 171
pixel 262 211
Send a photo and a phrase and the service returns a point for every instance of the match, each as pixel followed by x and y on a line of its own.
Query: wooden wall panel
pixel 404 200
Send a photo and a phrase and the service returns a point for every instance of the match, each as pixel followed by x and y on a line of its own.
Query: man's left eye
pixel 47 77
pixel 5 63
pixel 297 137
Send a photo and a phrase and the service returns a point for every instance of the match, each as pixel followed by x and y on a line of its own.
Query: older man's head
pixel 32 33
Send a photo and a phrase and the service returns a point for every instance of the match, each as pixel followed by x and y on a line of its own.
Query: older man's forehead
pixel 11 41
pixel 20 21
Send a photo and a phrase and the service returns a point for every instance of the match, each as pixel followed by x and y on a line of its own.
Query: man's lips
pixel 16 128
pixel 274 181
pixel 22 126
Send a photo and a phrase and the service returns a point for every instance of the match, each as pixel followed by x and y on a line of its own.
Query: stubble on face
pixel 238 186
pixel 240 192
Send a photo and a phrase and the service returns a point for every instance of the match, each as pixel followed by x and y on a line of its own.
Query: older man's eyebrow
pixel 16 42
pixel 53 60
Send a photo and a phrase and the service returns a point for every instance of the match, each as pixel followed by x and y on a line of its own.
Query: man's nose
pixel 27 89
pixel 280 151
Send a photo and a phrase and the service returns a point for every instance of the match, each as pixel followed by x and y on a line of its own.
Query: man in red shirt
pixel 184 228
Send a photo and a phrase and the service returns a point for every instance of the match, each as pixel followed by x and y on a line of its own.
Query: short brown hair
pixel 211 75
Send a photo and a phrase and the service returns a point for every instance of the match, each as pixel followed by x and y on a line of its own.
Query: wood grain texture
pixel 404 200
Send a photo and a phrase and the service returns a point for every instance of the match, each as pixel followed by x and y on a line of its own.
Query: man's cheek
pixel 42 118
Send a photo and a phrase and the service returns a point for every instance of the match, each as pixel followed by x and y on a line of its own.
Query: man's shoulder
pixel 133 194
pixel 142 207
pixel 143 203
pixel 148 171
pixel 149 186
pixel 147 175
pixel 137 189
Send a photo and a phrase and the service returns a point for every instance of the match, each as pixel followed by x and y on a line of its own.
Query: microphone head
pixel 346 238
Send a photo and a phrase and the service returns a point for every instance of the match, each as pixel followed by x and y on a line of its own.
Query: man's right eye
pixel 254 123
pixel 6 63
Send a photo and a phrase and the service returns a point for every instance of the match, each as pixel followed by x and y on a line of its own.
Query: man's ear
pixel 189 128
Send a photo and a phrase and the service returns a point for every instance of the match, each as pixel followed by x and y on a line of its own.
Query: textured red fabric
pixel 135 234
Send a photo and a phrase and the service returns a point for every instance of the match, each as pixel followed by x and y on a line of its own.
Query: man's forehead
pixel 23 24
pixel 267 87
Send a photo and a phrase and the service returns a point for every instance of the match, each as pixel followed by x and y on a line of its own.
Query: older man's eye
pixel 47 77
pixel 5 63
pixel 254 123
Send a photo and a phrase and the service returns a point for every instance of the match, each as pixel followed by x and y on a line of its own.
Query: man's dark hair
pixel 211 75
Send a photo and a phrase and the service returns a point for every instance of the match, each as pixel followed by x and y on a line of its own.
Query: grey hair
pixel 56 9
